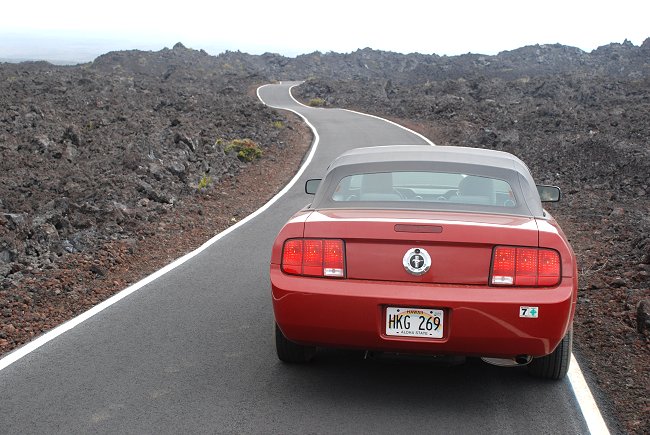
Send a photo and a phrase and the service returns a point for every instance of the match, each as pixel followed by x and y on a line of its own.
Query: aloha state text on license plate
pixel 414 322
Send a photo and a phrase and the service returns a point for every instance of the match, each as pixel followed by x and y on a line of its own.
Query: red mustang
pixel 420 249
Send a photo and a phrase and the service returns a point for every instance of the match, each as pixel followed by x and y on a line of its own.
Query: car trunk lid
pixel 459 244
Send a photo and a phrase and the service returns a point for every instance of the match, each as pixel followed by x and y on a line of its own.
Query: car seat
pixel 378 187
pixel 476 190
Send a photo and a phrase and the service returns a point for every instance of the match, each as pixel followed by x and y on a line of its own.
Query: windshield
pixel 451 188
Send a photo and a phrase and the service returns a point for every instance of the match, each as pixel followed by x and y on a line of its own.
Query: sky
pixel 289 27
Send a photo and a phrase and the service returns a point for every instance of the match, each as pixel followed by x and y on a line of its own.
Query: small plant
pixel 204 182
pixel 316 102
pixel 246 149
pixel 278 124
pixel 220 141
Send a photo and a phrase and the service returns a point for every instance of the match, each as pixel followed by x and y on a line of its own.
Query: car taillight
pixel 526 267
pixel 314 257
pixel 548 269
pixel 292 256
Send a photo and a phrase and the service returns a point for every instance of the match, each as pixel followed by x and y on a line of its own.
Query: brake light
pixel 549 268
pixel 312 262
pixel 292 256
pixel 314 257
pixel 527 267
pixel 333 258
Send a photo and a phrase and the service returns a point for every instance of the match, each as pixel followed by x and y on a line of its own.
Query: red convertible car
pixel 434 250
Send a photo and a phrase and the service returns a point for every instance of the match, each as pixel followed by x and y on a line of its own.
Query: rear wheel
pixel 555 365
pixel 291 352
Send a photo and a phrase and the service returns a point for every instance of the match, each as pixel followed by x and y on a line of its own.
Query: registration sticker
pixel 529 312
pixel 414 322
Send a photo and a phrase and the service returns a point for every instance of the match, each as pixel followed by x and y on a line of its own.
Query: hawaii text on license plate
pixel 414 322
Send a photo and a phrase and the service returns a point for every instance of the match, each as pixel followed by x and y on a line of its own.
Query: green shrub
pixel 204 182
pixel 316 102
pixel 246 149
pixel 278 124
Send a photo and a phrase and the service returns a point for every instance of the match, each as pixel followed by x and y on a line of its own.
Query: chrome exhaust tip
pixel 519 360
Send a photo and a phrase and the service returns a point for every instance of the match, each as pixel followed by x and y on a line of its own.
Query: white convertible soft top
pixel 418 153
pixel 463 160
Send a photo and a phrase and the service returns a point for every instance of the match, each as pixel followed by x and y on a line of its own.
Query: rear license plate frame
pixel 412 322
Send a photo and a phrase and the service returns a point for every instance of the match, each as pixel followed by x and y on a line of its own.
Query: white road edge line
pixel 361 113
pixel 298 102
pixel 581 391
pixel 54 333
pixel 395 124
pixel 586 401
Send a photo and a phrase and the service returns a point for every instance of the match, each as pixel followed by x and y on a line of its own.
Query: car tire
pixel 555 365
pixel 291 352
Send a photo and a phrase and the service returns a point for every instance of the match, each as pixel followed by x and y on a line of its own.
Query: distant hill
pixel 620 59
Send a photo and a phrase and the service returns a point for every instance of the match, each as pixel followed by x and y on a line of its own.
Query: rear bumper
pixel 478 321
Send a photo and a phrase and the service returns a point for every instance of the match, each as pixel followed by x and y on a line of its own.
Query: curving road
pixel 193 351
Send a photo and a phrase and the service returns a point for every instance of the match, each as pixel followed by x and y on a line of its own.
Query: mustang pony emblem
pixel 416 261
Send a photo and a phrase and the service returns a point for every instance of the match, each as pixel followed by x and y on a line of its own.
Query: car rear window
pixel 450 188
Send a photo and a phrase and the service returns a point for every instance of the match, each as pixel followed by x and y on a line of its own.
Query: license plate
pixel 414 322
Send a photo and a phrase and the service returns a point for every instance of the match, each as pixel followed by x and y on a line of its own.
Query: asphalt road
pixel 193 351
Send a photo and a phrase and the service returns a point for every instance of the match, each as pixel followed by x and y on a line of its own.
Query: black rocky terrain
pixel 91 152
pixel 98 153
pixel 110 170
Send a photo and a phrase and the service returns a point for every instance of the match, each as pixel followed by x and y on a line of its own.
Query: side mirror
pixel 549 193
pixel 311 186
